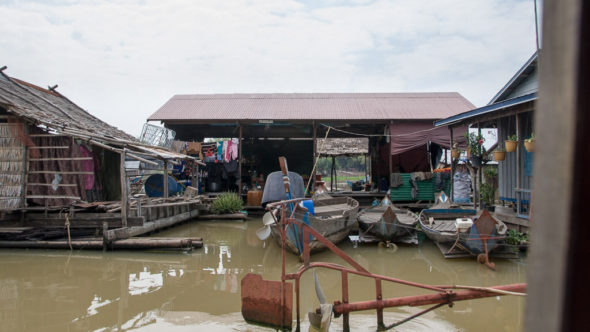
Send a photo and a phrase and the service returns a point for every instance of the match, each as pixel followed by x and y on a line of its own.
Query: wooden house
pixel 63 168
pixel 512 112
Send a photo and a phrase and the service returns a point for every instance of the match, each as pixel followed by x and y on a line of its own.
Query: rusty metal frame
pixel 444 295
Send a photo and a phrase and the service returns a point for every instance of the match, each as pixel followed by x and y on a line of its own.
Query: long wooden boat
pixel 481 235
pixel 387 222
pixel 333 218
pixel 439 224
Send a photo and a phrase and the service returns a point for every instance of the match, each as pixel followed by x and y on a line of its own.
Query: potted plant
pixel 455 152
pixel 474 148
pixel 487 191
pixel 511 143
pixel 499 153
pixel 529 143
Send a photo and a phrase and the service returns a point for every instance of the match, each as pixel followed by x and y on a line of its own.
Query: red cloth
pixel 406 136
pixel 87 166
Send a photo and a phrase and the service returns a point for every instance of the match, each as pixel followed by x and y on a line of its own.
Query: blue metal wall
pixel 507 168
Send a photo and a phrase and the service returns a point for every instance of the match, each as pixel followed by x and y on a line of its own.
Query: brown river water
pixel 43 290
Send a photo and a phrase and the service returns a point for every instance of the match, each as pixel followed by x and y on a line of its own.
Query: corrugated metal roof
pixel 313 106
pixel 486 109
pixel 524 71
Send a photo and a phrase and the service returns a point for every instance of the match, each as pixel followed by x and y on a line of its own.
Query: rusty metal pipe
pixel 420 300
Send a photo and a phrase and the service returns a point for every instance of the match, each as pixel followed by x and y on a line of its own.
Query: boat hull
pixel 386 223
pixel 473 239
pixel 334 219
pixel 443 229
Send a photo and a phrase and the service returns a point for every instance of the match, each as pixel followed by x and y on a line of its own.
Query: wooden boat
pixel 475 234
pixel 333 218
pixel 439 224
pixel 387 222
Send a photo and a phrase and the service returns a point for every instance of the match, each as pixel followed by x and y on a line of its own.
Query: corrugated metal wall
pixel 507 168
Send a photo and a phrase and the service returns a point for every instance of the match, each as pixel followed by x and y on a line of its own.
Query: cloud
pixel 122 60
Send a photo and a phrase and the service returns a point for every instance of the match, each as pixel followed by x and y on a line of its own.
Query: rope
pixel 316 160
pixel 68 228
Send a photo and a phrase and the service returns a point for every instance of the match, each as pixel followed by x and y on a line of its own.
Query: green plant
pixel 512 138
pixel 516 238
pixel 490 173
pixel 474 143
pixel 531 139
pixel 227 203
pixel 487 192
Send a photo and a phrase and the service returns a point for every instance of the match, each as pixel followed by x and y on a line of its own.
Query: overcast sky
pixel 122 60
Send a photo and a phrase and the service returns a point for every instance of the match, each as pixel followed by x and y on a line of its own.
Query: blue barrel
pixel 154 186
pixel 308 204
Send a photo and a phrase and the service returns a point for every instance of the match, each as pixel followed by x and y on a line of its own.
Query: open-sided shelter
pixel 289 124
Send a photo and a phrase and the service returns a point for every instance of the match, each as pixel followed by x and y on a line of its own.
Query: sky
pixel 121 60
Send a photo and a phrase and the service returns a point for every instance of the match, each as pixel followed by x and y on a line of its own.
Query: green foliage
pixel 515 238
pixel 512 138
pixel 342 163
pixel 490 173
pixel 227 203
pixel 474 143
pixel 487 193
pixel 500 147
pixel 531 139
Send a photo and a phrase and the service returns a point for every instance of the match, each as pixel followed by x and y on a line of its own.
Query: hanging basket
pixel 529 146
pixel 499 155
pixel 475 161
pixel 510 145
pixel 455 153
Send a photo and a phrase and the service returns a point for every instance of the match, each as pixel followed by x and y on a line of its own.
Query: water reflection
pixel 92 291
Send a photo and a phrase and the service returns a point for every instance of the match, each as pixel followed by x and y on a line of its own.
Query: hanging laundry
pixel 226 155
pixel 219 151
pixel 234 148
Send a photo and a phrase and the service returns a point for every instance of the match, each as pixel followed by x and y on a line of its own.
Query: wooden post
pixel 105 232
pixel 518 185
pixel 332 175
pixel 315 151
pixel 124 193
pixel 453 167
pixel 165 183
pixel 240 160
pixel 479 169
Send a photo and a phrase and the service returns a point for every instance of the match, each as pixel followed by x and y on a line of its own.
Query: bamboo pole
pixel 315 152
pixel 165 183
pixel 240 161
pixel 453 166
pixel 124 194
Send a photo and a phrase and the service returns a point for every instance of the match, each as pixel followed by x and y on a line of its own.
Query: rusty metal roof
pixel 313 106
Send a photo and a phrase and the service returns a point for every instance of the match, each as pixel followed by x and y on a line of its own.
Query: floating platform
pixel 502 252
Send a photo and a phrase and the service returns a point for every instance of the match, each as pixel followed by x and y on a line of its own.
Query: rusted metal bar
pixel 420 300
pixel 379 296
pixel 345 317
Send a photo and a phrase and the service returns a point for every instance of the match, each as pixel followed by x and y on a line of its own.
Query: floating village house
pixel 511 111
pixel 398 128
pixel 61 166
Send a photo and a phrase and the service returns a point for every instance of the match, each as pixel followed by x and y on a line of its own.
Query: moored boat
pixel 332 217
pixel 387 222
